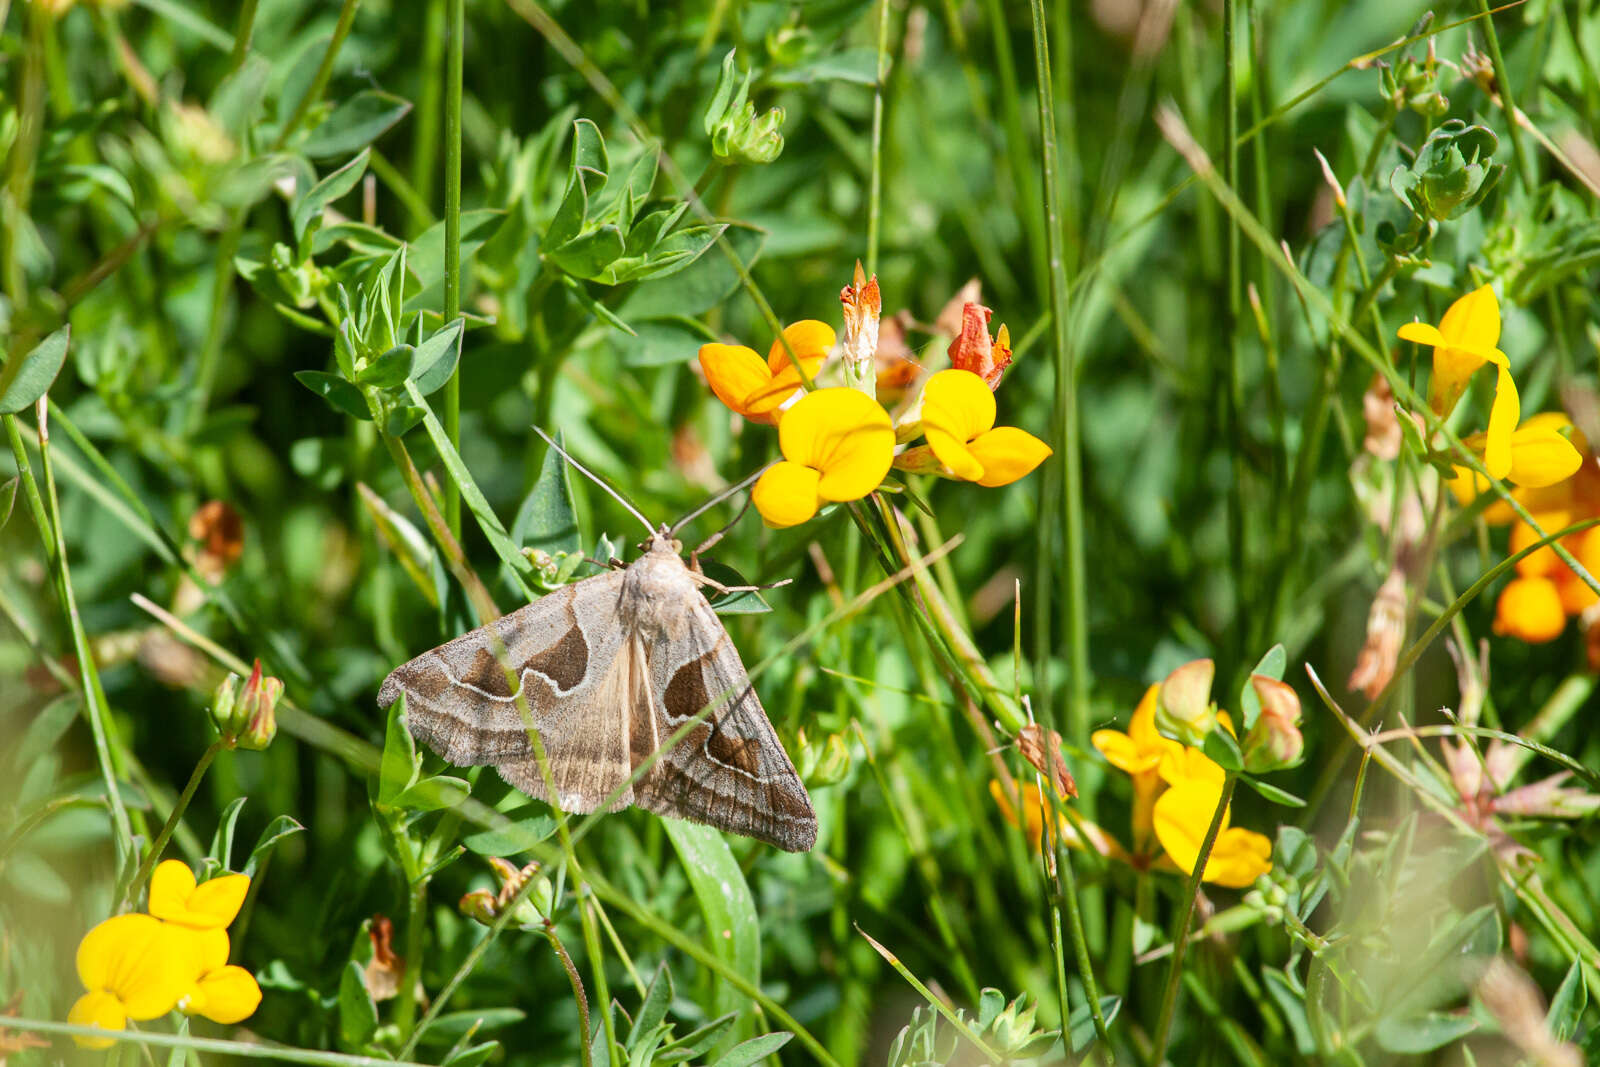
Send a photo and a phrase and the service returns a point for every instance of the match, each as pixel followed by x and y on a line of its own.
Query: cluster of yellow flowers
pixel 1548 461
pixel 838 441
pixel 141 966
pixel 1177 787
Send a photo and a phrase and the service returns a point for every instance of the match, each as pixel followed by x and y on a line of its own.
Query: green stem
pixel 1503 83
pixel 131 890
pixel 591 942
pixel 242 36
pixel 875 181
pixel 424 151
pixel 319 82
pixel 454 31
pixel 1066 404
pixel 51 534
pixel 1180 931
pixel 405 1008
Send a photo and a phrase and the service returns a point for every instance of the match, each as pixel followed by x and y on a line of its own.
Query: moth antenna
pixel 714 538
pixel 714 501
pixel 587 473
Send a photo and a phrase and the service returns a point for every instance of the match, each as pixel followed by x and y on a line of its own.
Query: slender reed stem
pixel 1066 401
pixel 1525 168
pixel 875 182
pixel 1180 931
pixel 454 31
pixel 405 1010
pixel 131 890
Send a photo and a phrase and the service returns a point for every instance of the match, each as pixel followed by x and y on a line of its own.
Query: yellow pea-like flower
pixel 756 389
pixel 1139 754
pixel 1183 815
pixel 1537 453
pixel 837 446
pixel 1465 340
pixel 958 413
pixel 220 991
pixel 134 967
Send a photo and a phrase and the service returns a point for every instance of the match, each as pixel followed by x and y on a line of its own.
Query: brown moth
pixel 611 667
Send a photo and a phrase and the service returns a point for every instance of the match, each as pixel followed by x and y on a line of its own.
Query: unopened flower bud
pixel 1274 742
pixel 1184 707
pixel 257 708
pixel 222 707
pixel 824 762
pixel 480 905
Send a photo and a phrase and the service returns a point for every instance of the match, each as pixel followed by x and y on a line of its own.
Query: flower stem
pixel 875 181
pixel 405 1008
pixel 148 864
pixel 1180 931
pixel 577 989
pixel 454 31
pixel 1503 83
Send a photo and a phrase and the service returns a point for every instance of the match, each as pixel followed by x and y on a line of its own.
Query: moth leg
pixel 726 589
pixel 705 546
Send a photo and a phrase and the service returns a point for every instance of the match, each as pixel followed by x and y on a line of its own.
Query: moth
pixel 611 667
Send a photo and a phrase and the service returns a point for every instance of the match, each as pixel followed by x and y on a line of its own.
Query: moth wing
pixel 568 655
pixel 730 770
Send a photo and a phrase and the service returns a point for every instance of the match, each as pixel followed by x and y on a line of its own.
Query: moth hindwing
pixel 611 667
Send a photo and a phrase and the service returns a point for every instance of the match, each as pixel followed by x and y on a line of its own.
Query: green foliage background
pixel 1219 415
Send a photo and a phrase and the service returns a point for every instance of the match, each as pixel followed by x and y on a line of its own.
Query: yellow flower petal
pixel 1530 610
pixel 786 494
pixel 810 341
pixel 958 403
pixel 843 434
pixel 735 373
pixel 101 1009
pixel 1473 322
pixel 1422 333
pixel 175 898
pixel 1503 418
pixel 1189 764
pixel 1182 816
pixel 952 451
pixel 1007 454
pixel 1238 858
pixel 227 995
pixel 146 964
pixel 1121 752
pixel 1541 456
pixel 1142 727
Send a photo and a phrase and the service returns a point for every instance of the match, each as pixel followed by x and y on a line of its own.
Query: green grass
pixel 239 208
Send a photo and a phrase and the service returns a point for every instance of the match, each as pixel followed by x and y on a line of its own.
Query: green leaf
pixel 1223 750
pixel 221 852
pixel 857 65
pixel 733 929
pixel 675 253
pixel 358 1015
pixel 355 124
pixel 755 1050
pixel 586 255
pixel 1272 665
pixel 1568 1005
pixel 237 102
pixel 23 381
pixel 437 357
pixel 1273 793
pixel 308 208
pixel 426 260
pixel 390 368
pixel 8 497
pixel 1423 1033
pixel 43 731
pixel 531 824
pixel 704 285
pixel 279 828
pixel 1080 1026
pixel 657 998
pixel 434 793
pixel 473 1056
pixel 452 1026
pixel 249 183
pixel 745 602
pixel 547 519
pixel 589 152
pixel 398 767
pixel 340 394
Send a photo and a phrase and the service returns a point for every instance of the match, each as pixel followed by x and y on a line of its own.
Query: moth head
pixel 662 541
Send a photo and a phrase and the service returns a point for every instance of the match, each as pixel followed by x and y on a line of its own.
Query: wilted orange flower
pixel 972 350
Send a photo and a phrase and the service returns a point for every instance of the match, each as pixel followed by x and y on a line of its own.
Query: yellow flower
pixel 758 390
pixel 175 898
pixel 1465 340
pixel 958 419
pixel 837 445
pixel 134 967
pixel 1540 455
pixel 1138 753
pixel 1183 814
pixel 1530 610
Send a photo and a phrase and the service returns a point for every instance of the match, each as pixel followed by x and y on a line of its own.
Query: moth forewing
pixel 611 669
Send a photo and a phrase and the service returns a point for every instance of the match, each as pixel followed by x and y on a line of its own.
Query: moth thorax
pixel 658 592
